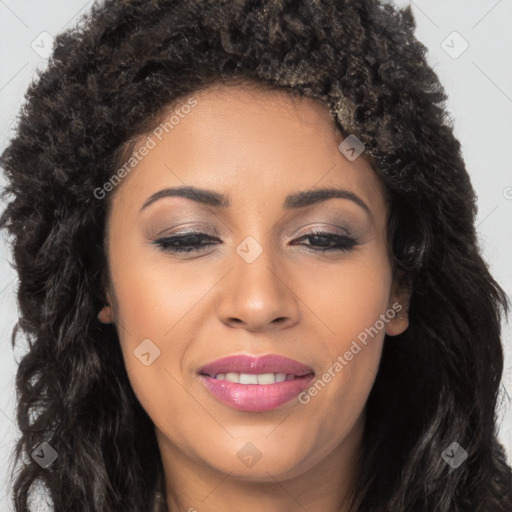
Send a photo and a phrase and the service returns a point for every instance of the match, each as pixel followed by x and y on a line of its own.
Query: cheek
pixel 349 298
pixel 155 297
pixel 153 307
pixel 351 303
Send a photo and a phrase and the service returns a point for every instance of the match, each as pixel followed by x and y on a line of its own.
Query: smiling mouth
pixel 255 383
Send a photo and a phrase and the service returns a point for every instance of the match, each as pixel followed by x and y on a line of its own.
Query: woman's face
pixel 257 285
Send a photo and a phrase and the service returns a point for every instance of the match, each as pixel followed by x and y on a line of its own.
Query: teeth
pixel 247 378
pixel 250 378
pixel 266 378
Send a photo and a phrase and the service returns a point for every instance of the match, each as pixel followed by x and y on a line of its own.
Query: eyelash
pixel 345 243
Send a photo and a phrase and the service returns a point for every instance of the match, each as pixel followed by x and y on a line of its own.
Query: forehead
pixel 249 142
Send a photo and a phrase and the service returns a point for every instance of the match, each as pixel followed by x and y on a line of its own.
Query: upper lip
pixel 243 363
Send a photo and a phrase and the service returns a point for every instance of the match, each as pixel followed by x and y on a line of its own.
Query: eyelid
pixel 335 230
pixel 191 228
pixel 187 229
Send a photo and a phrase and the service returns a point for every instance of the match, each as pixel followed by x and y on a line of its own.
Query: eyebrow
pixel 296 200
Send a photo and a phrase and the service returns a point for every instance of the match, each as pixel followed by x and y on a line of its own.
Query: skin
pixel 256 146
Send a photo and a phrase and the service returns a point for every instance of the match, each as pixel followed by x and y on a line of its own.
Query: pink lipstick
pixel 256 384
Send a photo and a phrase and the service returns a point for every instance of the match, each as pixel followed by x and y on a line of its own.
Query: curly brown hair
pixel 107 83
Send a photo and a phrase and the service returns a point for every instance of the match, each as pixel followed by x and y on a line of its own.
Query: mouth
pixel 256 384
pixel 247 367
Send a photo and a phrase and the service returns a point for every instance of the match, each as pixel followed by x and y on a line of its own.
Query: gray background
pixel 477 80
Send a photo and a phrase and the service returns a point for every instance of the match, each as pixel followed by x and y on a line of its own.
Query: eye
pixel 320 241
pixel 329 241
pixel 188 242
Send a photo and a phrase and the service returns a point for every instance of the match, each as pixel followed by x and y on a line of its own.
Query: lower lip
pixel 256 397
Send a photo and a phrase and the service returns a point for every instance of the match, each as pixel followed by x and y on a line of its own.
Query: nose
pixel 257 296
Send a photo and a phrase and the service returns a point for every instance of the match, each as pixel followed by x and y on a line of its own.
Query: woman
pixel 248 268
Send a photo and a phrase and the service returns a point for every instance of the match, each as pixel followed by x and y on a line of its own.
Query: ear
pixel 399 303
pixel 106 315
